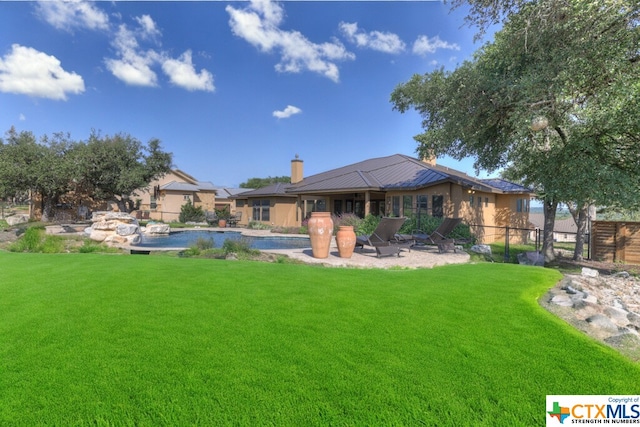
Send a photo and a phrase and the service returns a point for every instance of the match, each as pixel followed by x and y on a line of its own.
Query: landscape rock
pixel 114 228
pixel 602 322
pixel 589 272
pixel 481 249
pixel 157 229
pixel 531 258
pixel 605 306
pixel 17 219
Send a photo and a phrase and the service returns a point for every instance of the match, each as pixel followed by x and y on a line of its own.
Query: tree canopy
pixel 553 100
pixel 103 168
pixel 256 183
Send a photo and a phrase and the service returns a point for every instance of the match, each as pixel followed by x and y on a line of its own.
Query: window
pixel 486 202
pixel 407 205
pixel 437 206
pixel 337 207
pixel 522 205
pixel 240 203
pixel 395 206
pixel 186 197
pixel 422 202
pixel 261 210
pixel 471 201
pixel 153 203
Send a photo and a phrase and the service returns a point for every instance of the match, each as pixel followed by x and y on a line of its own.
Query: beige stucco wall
pixel 169 203
pixel 282 211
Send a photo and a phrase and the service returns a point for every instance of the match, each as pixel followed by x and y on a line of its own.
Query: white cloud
pixel 67 15
pixel 134 65
pixel 259 24
pixel 22 117
pixel 287 112
pixel 375 40
pixel 30 72
pixel 424 45
pixel 182 73
pixel 148 27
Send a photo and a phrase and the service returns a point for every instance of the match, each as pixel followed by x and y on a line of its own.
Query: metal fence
pixel 564 242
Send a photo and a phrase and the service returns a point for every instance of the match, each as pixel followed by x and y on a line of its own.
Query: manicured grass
pixel 90 339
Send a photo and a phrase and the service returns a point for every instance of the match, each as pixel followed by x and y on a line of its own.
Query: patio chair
pixel 439 236
pixel 235 219
pixel 385 238
pixel 211 217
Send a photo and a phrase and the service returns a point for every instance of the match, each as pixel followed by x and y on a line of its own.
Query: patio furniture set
pixel 386 239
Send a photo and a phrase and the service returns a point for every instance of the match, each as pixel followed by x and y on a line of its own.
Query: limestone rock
pixel 114 227
pixel 531 258
pixel 481 249
pixel 126 229
pixel 601 321
pixel 589 272
pixel 157 229
pixel 17 219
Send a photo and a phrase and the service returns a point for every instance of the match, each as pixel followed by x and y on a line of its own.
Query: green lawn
pixel 89 339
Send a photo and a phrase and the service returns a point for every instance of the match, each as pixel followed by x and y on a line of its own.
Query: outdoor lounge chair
pixel 385 238
pixel 235 219
pixel 439 236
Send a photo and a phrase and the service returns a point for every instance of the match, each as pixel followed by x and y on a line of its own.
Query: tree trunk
pixel 550 207
pixel 580 214
pixel 47 208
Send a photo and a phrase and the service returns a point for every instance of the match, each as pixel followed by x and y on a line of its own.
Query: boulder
pixel 114 228
pixel 481 249
pixel 157 229
pixel 531 258
pixel 17 219
pixel 601 321
pixel 126 229
pixel 589 272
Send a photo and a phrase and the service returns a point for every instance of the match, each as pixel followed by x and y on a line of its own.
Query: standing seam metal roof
pixel 397 171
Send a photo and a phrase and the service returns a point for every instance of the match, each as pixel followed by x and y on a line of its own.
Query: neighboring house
pixel 396 185
pixel 162 200
pixel 564 230
pixel 226 198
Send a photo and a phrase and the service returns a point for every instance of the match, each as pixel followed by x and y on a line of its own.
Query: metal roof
pixel 278 189
pixel 185 186
pixel 506 186
pixel 395 172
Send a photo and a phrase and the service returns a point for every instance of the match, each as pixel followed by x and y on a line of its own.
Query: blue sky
pixel 233 89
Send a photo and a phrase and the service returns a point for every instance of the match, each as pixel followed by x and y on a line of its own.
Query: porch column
pixel 367 203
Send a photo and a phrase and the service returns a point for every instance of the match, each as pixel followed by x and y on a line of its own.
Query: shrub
pixel 257 225
pixel 368 224
pixel 241 246
pixel 204 244
pixel 35 239
pixel 345 219
pixel 190 213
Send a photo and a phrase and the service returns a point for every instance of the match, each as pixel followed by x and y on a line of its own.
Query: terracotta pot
pixel 320 233
pixel 346 241
pixel 222 223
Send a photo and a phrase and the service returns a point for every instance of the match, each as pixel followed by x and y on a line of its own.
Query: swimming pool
pixel 185 239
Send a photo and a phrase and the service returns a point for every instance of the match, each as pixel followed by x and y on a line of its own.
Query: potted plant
pixel 223 216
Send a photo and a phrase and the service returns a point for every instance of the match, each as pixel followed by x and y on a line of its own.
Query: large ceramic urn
pixel 346 241
pixel 320 228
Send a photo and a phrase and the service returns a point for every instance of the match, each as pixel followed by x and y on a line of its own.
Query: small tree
pixel 191 213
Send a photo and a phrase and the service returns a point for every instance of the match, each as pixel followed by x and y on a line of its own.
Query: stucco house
pixel 396 185
pixel 164 197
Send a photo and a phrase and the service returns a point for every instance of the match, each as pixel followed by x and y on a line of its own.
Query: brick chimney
pixel 296 170
pixel 429 159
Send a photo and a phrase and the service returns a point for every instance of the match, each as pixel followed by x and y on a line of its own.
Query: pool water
pixel 185 239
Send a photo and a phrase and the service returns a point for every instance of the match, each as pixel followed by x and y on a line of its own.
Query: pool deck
pixel 417 257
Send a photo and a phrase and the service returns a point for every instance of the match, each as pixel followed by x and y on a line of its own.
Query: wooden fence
pixel 615 241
